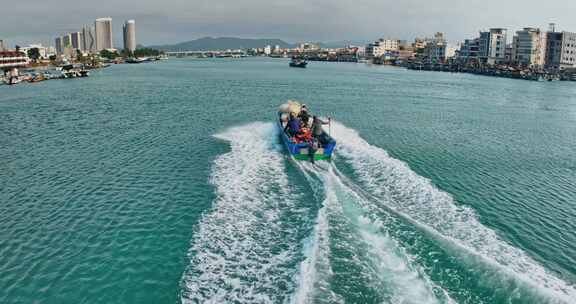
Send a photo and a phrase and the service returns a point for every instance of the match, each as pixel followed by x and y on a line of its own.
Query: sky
pixel 172 21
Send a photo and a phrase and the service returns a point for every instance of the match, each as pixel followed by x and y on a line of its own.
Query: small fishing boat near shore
pixel 298 63
pixel 307 143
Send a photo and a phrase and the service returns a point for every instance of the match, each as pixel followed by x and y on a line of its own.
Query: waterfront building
pixel 492 46
pixel 103 33
pixel 560 50
pixel 405 54
pixel 76 40
pixel 129 30
pixel 451 51
pixel 508 54
pixel 381 47
pixel 267 50
pixel 88 39
pixel 435 49
pixel 308 46
pixel 10 61
pixel 469 51
pixel 59 45
pixel 42 50
pixel 2 45
pixel 419 44
pixel 529 47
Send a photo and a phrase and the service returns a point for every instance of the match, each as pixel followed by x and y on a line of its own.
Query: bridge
pixel 228 53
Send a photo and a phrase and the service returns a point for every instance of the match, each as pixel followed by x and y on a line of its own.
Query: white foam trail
pixel 386 267
pixel 413 196
pixel 391 267
pixel 315 270
pixel 243 252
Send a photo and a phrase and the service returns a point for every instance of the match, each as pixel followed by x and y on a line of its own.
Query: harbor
pixel 273 152
pixel 122 165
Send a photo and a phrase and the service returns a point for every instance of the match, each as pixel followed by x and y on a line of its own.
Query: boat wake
pixel 246 247
pixel 395 188
pixel 350 248
pixel 378 233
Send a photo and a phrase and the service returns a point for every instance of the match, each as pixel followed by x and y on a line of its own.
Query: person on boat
pixel 293 126
pixel 317 131
pixel 304 116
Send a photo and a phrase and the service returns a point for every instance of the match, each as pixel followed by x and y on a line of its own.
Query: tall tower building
pixel 59 44
pixel 88 39
pixel 103 32
pixel 130 35
pixel 67 41
pixel 76 40
pixel 2 46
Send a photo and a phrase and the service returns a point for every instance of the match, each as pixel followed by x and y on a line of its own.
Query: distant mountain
pixel 221 43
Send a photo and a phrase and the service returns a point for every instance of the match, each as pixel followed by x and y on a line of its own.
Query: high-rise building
pixel 529 47
pixel 103 33
pixel 88 39
pixel 59 45
pixel 2 46
pixel 129 30
pixel 492 46
pixel 67 41
pixel 560 50
pixel 76 38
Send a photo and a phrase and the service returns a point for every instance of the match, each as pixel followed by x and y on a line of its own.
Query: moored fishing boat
pixel 303 146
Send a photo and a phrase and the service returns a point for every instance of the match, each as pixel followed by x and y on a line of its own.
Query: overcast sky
pixel 171 21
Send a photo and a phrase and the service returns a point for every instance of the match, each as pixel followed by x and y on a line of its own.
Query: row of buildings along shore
pixel 528 48
pixel 83 47
pixel 526 53
pixel 529 53
pixel 94 39
pixel 90 39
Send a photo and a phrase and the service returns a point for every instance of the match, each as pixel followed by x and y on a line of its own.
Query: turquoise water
pixel 166 183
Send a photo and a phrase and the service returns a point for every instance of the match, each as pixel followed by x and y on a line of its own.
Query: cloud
pixel 169 21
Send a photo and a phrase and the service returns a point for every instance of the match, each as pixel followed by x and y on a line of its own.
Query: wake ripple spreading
pixel 244 250
pixel 386 273
pixel 413 196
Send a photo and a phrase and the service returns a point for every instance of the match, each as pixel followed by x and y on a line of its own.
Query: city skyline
pixel 176 20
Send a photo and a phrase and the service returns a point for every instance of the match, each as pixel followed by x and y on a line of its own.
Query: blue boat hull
pixel 301 151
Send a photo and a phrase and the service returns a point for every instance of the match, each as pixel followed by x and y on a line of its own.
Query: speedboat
pixel 303 148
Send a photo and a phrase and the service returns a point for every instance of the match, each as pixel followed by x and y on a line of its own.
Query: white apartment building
pixel 381 47
pixel 103 33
